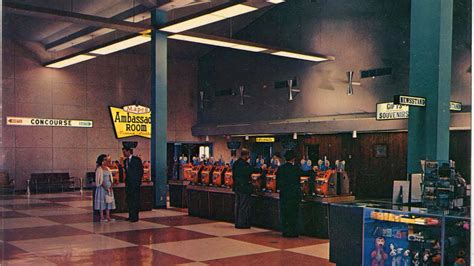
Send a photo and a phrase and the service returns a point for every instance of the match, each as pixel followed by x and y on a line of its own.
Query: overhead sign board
pixel 131 120
pixel 409 100
pixel 455 106
pixel 391 111
pixel 47 122
pixel 265 139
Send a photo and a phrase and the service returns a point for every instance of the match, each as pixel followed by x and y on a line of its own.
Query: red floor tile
pixel 68 199
pixel 70 219
pixel 275 240
pixel 8 252
pixel 178 220
pixel 12 214
pixel 9 197
pixel 121 256
pixel 272 258
pixel 40 232
pixel 35 206
pixel 154 236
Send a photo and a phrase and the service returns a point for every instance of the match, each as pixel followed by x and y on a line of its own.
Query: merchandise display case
pixel 381 233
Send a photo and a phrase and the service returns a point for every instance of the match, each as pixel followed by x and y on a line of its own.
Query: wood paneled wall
pixel 373 177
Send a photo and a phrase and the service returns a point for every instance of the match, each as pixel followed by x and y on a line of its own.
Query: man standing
pixel 133 181
pixel 288 182
pixel 241 173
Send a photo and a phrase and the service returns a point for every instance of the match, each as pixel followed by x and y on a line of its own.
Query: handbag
pixel 109 198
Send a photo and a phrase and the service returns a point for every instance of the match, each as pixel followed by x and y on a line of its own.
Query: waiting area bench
pixel 51 182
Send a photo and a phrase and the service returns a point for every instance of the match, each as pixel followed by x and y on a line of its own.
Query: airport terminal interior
pixel 235 132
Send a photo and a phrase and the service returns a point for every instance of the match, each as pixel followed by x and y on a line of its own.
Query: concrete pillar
pixel 430 77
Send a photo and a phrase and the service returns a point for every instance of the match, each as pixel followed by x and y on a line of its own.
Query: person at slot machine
pixel 275 162
pixel 241 172
pixel 288 182
pixel 134 174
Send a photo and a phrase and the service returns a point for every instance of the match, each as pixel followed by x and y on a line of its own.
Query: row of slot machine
pixel 118 173
pixel 322 181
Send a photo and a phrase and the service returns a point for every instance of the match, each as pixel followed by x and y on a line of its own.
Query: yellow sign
pixel 131 120
pixel 265 139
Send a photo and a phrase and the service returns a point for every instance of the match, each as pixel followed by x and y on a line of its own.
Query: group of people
pixel 104 200
pixel 288 177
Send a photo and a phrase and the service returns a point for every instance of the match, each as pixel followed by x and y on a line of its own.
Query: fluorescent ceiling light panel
pixel 300 56
pixel 217 43
pixel 209 18
pixel 125 44
pixel 200 40
pixel 234 11
pixel 71 61
pixel 248 48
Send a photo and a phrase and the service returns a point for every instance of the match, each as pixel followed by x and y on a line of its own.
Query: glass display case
pixel 401 235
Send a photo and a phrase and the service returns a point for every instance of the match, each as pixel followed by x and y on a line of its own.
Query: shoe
pixel 103 221
pixel 134 221
pixel 111 220
pixel 242 227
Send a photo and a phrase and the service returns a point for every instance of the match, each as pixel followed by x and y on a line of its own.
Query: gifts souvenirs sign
pixel 391 111
pixel 47 122
pixel 131 120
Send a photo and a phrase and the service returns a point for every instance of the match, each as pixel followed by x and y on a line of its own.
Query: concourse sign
pixel 409 100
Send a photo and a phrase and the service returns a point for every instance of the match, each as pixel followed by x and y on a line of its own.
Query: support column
pixel 159 109
pixel 430 77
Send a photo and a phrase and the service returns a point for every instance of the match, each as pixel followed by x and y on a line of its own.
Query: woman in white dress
pixel 103 181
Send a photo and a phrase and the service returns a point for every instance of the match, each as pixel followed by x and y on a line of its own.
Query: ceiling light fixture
pixel 350 76
pixel 247 46
pixel 218 15
pixel 295 136
pixel 300 56
pixel 70 61
pixel 122 45
pixel 276 1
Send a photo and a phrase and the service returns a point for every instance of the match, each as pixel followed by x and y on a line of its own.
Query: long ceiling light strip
pixel 205 19
pixel 70 61
pixel 240 45
pixel 122 45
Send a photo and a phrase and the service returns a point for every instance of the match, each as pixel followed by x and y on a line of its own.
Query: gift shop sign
pixel 391 111
pixel 131 120
pixel 47 122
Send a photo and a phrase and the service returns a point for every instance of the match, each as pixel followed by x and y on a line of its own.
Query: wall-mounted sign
pixel 47 122
pixel 131 120
pixel 409 100
pixel 391 111
pixel 265 139
pixel 233 145
pixel 455 106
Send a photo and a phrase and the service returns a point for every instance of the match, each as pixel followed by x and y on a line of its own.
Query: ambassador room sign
pixel 131 120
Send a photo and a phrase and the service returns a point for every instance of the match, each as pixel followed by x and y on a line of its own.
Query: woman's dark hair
pixel 100 159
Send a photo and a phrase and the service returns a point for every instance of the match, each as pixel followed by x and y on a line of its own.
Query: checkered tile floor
pixel 57 229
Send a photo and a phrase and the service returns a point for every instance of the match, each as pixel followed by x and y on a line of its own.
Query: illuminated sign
pixel 391 111
pixel 410 100
pixel 131 120
pixel 265 139
pixel 455 106
pixel 47 122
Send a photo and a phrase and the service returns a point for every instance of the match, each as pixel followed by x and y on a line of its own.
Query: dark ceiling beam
pixel 71 17
pixel 121 16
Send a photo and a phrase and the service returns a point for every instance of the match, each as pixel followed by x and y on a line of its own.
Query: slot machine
pixel 187 169
pixel 218 176
pixel 271 184
pixel 146 171
pixel 305 187
pixel 228 180
pixel 196 174
pixel 326 182
pixel 206 174
pixel 258 181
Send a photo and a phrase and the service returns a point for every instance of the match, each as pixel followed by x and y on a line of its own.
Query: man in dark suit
pixel 288 182
pixel 133 181
pixel 241 173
